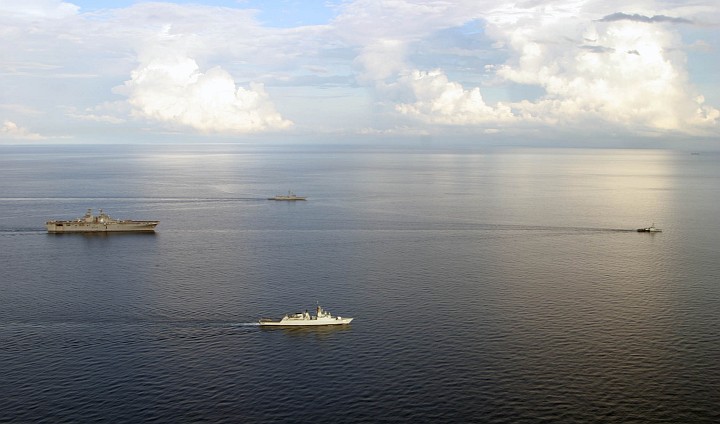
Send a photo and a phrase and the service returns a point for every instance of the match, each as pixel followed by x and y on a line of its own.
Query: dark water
pixel 498 286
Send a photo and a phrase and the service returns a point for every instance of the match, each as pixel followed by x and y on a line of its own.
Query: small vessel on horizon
pixel 323 317
pixel 289 196
pixel 650 229
pixel 101 223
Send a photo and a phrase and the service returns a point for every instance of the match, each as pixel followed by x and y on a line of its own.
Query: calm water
pixel 486 286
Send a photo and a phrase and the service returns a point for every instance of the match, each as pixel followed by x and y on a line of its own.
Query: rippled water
pixel 486 286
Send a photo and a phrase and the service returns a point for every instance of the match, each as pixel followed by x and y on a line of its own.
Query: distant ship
pixel 323 317
pixel 650 229
pixel 289 196
pixel 100 223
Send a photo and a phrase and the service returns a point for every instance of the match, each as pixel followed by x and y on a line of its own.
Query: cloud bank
pixel 374 67
pixel 623 70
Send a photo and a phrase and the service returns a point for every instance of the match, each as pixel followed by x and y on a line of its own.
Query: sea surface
pixel 493 286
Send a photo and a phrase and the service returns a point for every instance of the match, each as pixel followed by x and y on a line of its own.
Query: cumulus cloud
pixel 628 70
pixel 11 131
pixel 623 71
pixel 170 88
pixel 440 101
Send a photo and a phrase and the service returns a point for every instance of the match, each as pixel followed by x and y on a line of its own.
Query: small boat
pixel 650 229
pixel 323 317
pixel 289 196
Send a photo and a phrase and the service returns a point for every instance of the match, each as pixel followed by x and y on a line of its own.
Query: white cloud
pixel 396 131
pixel 627 70
pixel 381 59
pixel 629 73
pixel 35 9
pixel 383 31
pixel 394 65
pixel 12 131
pixel 440 101
pixel 171 89
pixel 108 112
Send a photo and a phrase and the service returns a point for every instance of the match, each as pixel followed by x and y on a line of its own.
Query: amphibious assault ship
pixel 99 223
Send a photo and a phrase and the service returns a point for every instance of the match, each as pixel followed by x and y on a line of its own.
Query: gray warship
pixel 323 317
pixel 290 196
pixel 101 223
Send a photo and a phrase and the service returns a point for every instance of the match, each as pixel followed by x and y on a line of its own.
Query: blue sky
pixel 567 70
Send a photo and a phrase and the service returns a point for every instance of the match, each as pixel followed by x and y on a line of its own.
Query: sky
pixel 565 71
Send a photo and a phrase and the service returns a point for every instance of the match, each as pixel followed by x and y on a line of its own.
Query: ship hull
pixel 84 227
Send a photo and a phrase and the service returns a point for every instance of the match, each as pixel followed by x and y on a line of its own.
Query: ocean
pixel 486 285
